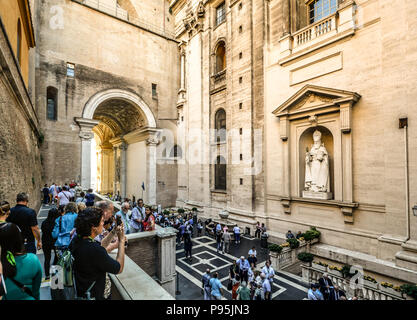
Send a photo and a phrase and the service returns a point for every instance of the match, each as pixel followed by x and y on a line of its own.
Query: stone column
pixel 181 91
pixel 114 168
pixel 123 169
pixel 86 135
pixel 286 17
pixel 167 259
pixel 151 144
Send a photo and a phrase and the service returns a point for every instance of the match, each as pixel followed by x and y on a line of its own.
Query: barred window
pixel 220 173
pixel 220 13
pixel 322 8
pixel 220 125
pixel 51 103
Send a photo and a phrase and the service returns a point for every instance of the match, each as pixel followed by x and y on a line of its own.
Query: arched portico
pixel 128 119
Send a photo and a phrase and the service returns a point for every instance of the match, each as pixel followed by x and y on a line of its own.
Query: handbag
pixel 229 285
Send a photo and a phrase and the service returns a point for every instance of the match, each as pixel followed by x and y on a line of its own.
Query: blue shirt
pixel 137 215
pixel 63 238
pixel 243 265
pixel 216 285
pixel 125 221
pixel 318 294
pixel 218 227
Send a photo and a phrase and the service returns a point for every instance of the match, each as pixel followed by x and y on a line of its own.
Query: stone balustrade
pixel 365 290
pixel 313 31
pixel 288 256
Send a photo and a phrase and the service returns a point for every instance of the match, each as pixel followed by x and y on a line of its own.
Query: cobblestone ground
pixel 286 286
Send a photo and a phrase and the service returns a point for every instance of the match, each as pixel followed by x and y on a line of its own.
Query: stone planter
pixel 391 292
pixel 305 271
pixel 336 273
pixel 319 267
pixel 370 284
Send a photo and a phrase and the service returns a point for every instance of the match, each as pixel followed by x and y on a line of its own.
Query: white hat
pixel 242 257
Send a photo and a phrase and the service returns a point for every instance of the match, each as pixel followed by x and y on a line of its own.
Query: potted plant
pixel 293 243
pixel 336 271
pixel 320 266
pixel 390 289
pixel 346 271
pixel 306 258
pixel 370 282
pixel 409 291
pixel 181 210
pixel 275 249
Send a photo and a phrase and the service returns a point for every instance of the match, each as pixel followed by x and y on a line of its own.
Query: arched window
pixel 220 57
pixel 51 103
pixel 320 9
pixel 176 152
pixel 220 173
pixel 19 42
pixel 220 125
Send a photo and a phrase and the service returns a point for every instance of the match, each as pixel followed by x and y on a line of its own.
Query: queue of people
pixel 88 233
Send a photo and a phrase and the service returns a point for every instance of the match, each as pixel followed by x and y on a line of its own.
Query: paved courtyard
pixel 286 286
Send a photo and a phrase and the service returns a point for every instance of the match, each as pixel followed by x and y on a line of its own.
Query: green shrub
pixel 294 243
pixel 181 210
pixel 409 289
pixel 166 212
pixel 305 257
pixel 275 248
pixel 311 234
pixel 346 271
pixel 194 209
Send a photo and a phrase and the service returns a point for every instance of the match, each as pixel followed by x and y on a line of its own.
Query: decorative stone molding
pixel 152 141
pixel 310 107
pixel 128 96
pixel 86 135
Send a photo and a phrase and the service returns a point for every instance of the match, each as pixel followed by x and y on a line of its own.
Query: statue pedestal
pixel 317 195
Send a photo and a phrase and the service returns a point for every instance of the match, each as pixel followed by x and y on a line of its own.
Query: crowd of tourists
pixel 245 282
pixel 88 233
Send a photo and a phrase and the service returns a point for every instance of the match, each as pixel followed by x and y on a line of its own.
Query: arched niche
pixel 306 141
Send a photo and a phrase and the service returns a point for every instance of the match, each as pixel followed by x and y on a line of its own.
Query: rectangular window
pixel 320 9
pixel 154 93
pixel 220 14
pixel 70 70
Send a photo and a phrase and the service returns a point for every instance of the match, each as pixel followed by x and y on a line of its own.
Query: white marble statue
pixel 317 166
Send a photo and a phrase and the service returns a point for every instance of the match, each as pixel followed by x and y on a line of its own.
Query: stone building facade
pixel 289 68
pixel 213 104
pixel 113 85
pixel 20 137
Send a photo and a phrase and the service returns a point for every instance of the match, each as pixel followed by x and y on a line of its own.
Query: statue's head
pixel 317 136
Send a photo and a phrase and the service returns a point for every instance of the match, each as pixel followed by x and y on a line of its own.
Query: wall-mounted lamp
pixel 415 210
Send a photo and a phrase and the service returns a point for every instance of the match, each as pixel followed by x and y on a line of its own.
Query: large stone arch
pixel 128 96
pixel 120 143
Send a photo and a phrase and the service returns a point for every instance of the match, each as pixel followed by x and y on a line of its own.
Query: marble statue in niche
pixel 317 174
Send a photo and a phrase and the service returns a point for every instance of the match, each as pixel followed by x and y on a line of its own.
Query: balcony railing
pixel 123 15
pixel 314 31
pixel 368 291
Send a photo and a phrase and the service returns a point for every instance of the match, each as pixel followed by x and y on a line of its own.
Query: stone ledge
pixel 135 284
pixel 367 262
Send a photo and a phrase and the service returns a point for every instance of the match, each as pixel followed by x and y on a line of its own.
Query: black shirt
pixel 24 218
pixel 91 263
pixel 47 228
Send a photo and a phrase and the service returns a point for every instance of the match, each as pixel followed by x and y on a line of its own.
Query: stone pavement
pixel 286 286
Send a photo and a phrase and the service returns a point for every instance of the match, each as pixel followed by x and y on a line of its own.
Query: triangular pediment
pixel 314 98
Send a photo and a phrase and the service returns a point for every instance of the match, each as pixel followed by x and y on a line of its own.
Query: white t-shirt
pixel 266 286
pixel 268 272
pixel 252 252
pixel 236 230
pixel 64 197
